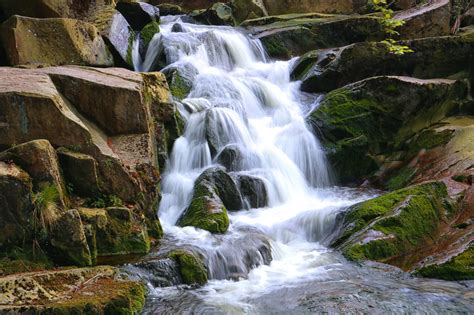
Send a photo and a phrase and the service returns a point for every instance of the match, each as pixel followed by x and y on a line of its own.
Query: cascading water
pixel 241 100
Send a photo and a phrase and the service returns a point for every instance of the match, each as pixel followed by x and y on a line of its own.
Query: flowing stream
pixel 273 259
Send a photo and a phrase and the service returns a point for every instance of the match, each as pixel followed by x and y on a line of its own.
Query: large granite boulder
pixel 77 9
pixel 292 35
pixel 53 42
pixel 437 57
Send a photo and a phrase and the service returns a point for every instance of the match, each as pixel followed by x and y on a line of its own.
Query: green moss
pixel 460 267
pixel 429 139
pixel 149 31
pixel 131 39
pixel 191 268
pixel 115 234
pixel 108 297
pixel 206 211
pixel 179 86
pixel 401 179
pixel 406 217
pixel 23 259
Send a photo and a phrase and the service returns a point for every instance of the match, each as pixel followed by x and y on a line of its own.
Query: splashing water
pixel 240 99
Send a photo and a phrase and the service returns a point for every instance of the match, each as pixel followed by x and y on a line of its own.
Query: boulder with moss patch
pixel 114 231
pixel 99 290
pixel 363 122
pixel 53 42
pixel 214 193
pixel 394 227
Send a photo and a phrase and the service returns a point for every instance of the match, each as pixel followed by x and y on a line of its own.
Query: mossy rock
pixel 394 226
pixel 206 211
pixel 115 231
pixel 191 268
pixel 54 42
pixel 460 267
pixel 380 115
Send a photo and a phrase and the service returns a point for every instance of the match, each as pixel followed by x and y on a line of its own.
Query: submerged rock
pixel 253 190
pixel 180 79
pixel 191 268
pixel 53 42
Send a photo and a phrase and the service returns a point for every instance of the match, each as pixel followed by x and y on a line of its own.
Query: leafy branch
pixel 390 26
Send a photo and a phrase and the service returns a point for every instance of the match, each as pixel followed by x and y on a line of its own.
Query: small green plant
pixel 390 26
pixel 46 210
pixel 104 201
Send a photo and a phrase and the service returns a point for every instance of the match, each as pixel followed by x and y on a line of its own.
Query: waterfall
pixel 243 100
pixel 272 259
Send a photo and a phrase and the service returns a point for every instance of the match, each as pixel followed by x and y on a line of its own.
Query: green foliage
pixel 390 26
pixel 46 211
pixel 104 201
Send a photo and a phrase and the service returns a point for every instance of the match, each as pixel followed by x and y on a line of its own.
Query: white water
pixel 251 103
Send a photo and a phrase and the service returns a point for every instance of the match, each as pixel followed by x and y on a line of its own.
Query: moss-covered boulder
pixel 69 242
pixel 53 42
pixel 393 228
pixel 114 231
pixel 214 193
pixel 326 70
pixel 191 267
pixel 99 290
pixel 363 122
